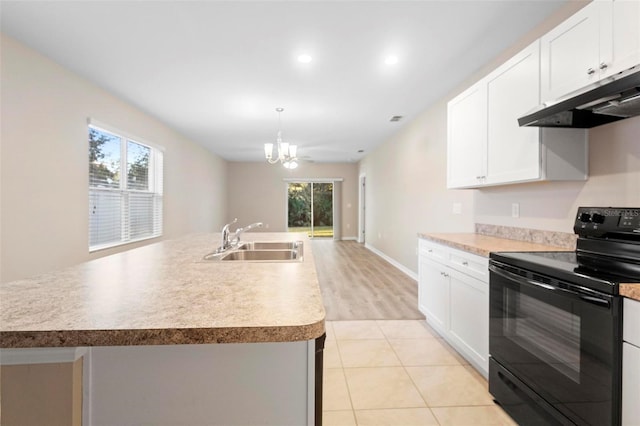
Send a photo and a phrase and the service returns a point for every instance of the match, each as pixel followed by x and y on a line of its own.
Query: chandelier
pixel 286 152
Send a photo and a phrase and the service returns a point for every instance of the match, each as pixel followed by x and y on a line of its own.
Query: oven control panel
pixel 598 221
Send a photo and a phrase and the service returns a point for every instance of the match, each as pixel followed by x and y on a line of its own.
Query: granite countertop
pixel 482 245
pixel 164 293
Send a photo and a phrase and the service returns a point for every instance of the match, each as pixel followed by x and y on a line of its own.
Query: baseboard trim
pixel 395 263
pixel 349 238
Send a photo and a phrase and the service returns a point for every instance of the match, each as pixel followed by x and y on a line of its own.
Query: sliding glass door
pixel 310 208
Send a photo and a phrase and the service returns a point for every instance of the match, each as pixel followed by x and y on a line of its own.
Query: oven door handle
pixel 604 303
pixel 515 277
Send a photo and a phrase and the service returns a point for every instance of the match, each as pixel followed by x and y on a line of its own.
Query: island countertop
pixel 164 293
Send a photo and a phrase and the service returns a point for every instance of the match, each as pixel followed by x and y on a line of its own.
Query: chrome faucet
pixel 226 244
pixel 239 231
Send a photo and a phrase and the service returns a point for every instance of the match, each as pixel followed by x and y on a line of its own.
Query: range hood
pixel 614 98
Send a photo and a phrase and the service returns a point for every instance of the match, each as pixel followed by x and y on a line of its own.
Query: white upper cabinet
pixel 598 41
pixel 513 152
pixel 467 137
pixel 626 35
pixel 571 53
pixel 486 146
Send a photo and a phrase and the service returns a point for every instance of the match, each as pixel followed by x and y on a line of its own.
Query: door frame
pixel 362 185
pixel 287 181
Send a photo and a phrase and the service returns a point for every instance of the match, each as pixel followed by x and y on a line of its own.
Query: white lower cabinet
pixel 454 297
pixel 631 364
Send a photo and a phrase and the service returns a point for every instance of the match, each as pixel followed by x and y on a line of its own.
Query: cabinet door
pixel 626 35
pixel 513 152
pixel 630 384
pixel 433 297
pixel 466 137
pixel 469 318
pixel 571 53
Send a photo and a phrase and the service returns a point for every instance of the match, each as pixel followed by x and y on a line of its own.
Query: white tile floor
pixel 400 373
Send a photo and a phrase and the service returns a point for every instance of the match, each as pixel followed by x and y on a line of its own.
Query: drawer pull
pixel 429 251
pixel 465 263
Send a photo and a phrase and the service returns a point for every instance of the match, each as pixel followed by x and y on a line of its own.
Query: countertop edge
pixel 189 336
pixel 630 290
pixel 479 245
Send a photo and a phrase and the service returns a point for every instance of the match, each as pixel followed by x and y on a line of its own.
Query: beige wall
pixel 406 193
pixel 406 177
pixel 44 172
pixel 614 180
pixel 257 192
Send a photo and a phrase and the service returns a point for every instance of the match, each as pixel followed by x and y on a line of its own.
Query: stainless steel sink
pixel 261 251
pixel 270 245
pixel 262 255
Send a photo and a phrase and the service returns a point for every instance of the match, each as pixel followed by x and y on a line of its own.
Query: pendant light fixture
pixel 286 153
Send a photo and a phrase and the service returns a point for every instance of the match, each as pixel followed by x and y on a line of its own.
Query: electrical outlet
pixel 515 210
pixel 457 208
pixel 266 226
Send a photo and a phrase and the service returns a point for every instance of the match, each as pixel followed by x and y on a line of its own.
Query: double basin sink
pixel 262 251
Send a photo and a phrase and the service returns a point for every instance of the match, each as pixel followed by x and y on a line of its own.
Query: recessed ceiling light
pixel 391 60
pixel 305 59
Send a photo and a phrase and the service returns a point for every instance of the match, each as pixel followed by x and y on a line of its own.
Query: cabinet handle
pixel 591 71
pixel 429 251
pixel 603 66
pixel 465 263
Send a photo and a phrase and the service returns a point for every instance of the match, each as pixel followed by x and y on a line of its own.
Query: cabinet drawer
pixel 631 322
pixel 470 264
pixel 433 251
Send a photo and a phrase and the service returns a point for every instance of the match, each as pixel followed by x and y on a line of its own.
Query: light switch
pixel 457 208
pixel 515 210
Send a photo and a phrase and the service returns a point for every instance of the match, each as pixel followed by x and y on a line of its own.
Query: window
pixel 125 189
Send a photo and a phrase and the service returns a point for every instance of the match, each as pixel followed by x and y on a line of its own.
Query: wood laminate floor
pixel 357 284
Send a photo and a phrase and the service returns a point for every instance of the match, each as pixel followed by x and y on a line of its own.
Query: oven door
pixel 560 340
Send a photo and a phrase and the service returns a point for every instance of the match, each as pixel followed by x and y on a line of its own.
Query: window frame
pixel 155 188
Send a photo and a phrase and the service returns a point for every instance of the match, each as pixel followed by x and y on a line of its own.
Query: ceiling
pixel 216 71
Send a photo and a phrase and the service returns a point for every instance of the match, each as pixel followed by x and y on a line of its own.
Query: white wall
pixel 44 169
pixel 257 192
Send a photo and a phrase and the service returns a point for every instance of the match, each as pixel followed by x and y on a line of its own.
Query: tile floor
pixel 400 373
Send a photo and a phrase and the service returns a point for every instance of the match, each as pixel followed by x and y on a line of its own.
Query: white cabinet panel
pixel 434 293
pixel 469 318
pixel 630 385
pixel 631 323
pixel 467 137
pixel 571 53
pixel 631 363
pixel 626 35
pixel 513 152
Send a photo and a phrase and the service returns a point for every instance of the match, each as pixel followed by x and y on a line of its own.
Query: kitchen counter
pixel 164 294
pixel 482 245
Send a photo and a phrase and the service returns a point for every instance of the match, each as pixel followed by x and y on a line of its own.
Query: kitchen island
pixel 169 338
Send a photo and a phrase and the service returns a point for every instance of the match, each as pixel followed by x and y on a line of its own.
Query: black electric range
pixel 556 323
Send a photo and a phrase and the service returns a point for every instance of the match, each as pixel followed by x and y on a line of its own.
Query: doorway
pixel 310 208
